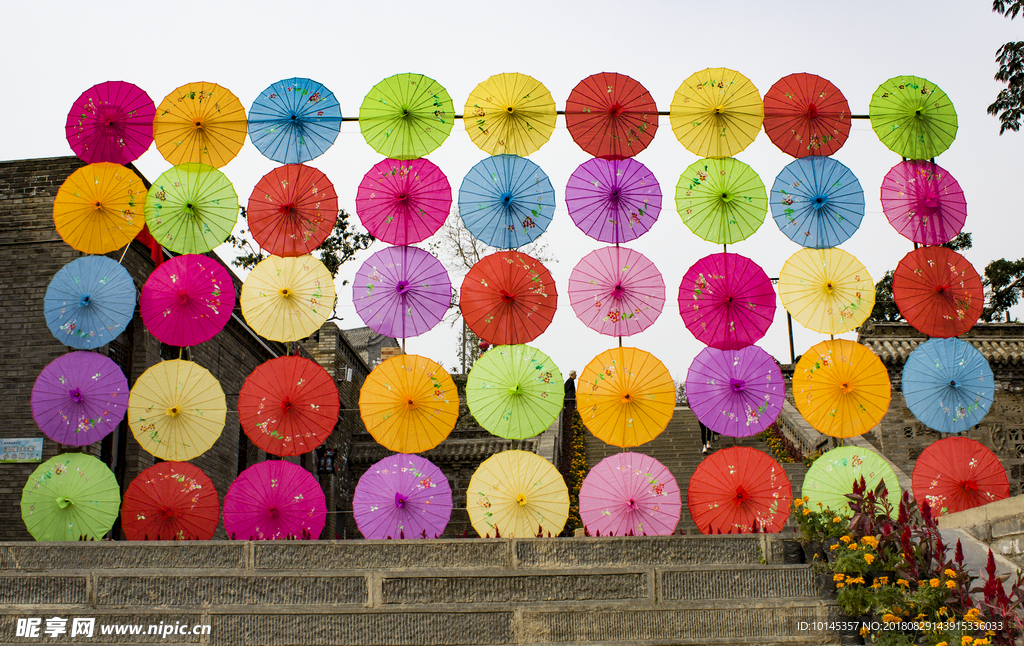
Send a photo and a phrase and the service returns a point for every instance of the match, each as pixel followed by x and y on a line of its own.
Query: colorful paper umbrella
pixel 516 494
pixel 89 302
pixel 958 473
pixel 409 404
pixel 923 202
pixel 187 300
pixel 938 291
pixel 510 114
pixel 515 391
pixel 98 208
pixel 716 113
pixel 832 475
pixel 611 116
pixel 403 202
pixel 70 497
pixel 274 500
pixel 506 201
pixel 626 397
pixel 508 298
pixel 294 120
pixel 613 201
pixel 402 292
pixel 287 299
pixel 111 122
pixel 406 116
pixel 176 410
pixel 806 115
pixel 826 290
pixel 948 385
pixel 292 210
pixel 616 291
pixel 817 202
pixel 630 494
pixel 726 301
pixel 288 406
pixel 200 123
pixel 79 398
pixel 402 496
pixel 170 501
pixel 841 388
pixel 191 208
pixel 738 393
pixel 721 200
pixel 913 117
pixel 739 490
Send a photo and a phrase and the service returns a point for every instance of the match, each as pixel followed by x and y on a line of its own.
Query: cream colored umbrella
pixel 287 299
pixel 826 290
pixel 517 494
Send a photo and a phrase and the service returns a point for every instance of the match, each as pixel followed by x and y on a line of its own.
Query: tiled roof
pixel 896 351
pixel 447 451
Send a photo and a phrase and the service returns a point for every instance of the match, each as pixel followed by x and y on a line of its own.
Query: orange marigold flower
pixel 950 573
pixel 950 584
pixel 869 558
pixel 934 583
pixel 839 576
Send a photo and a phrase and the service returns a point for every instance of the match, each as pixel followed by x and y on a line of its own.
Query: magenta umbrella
pixel 726 301
pixel 923 202
pixel 187 300
pixel 79 398
pixel 402 496
pixel 111 122
pixel 402 292
pixel 616 291
pixel 274 500
pixel 613 201
pixel 403 202
pixel 735 392
pixel 630 494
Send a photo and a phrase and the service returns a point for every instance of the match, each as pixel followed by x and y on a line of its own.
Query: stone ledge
pixel 370 555
pixel 999 510
pixel 730 583
pixel 36 589
pixel 9 621
pixel 636 550
pixel 516 588
pixel 1011 526
pixel 107 555
pixel 216 590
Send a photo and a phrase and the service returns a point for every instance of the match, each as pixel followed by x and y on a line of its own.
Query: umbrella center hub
pixel 942 288
pixel 510 109
pixel 167 512
pixel 616 110
pixel 931 200
pixel 402 286
pixel 507 297
pixel 970 485
pixel 198 126
pixel 726 196
pixel 952 383
pixel 274 513
pixel 719 109
pixel 295 118
pixel 286 405
pixel 515 390
pixel 284 292
pixel 632 503
pixel 812 111
pixel 506 199
pixel 819 202
pixel 182 296
pixel 64 501
pixel 846 387
pixel 97 205
pixel 76 394
pixel 400 500
pixel 521 499
pixel 829 287
pixel 85 301
pixel 402 197
pixel 627 398
pixel 288 210
pixel 742 496
pixel 410 404
pixel 173 411
pixel 737 385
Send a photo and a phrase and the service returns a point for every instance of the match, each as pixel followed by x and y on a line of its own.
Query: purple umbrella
pixel 402 496
pixel 274 500
pixel 402 292
pixel 613 201
pixel 616 291
pixel 630 492
pixel 79 398
pixel 735 392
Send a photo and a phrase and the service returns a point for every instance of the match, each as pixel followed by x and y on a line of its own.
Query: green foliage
pixel 577 471
pixel 1009 103
pixel 1004 285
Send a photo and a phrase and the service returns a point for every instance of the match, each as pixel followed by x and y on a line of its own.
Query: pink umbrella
pixel 923 202
pixel 616 291
pixel 735 392
pixel 630 493
pixel 402 292
pixel 79 398
pixel 726 301
pixel 613 201
pixel 187 300
pixel 274 500
pixel 403 202
pixel 111 122
pixel 402 496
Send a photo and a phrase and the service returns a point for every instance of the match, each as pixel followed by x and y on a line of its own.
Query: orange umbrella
pixel 99 208
pixel 200 122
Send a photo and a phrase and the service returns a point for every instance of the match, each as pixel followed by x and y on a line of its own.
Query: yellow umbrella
pixel 826 290
pixel 409 404
pixel 626 396
pixel 841 388
pixel 176 410
pixel 517 494
pixel 98 208
pixel 200 122
pixel 510 114
pixel 287 299
pixel 716 113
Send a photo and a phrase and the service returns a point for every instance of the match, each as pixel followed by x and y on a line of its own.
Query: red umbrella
pixel 806 115
pixel 170 501
pixel 292 210
pixel 611 116
pixel 288 406
pixel 938 291
pixel 957 473
pixel 739 490
pixel 508 298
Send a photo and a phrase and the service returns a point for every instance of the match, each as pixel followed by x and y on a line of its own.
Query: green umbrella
pixel 406 116
pixel 913 117
pixel 832 475
pixel 721 200
pixel 191 208
pixel 70 497
pixel 515 391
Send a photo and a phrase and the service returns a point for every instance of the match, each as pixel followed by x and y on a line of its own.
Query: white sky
pixel 53 51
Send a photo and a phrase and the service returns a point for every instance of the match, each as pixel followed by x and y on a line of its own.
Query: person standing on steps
pixel 705 437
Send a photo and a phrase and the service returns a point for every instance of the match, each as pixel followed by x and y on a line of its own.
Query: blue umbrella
pixel 817 202
pixel 89 302
pixel 506 201
pixel 948 385
pixel 294 120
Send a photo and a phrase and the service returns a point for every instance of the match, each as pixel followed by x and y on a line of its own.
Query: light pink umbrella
pixel 616 291
pixel 726 301
pixel 403 202
pixel 274 500
pixel 923 202
pixel 630 493
pixel 187 300
pixel 402 496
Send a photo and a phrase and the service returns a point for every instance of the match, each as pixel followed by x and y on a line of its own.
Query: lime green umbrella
pixel 721 200
pixel 406 116
pixel 70 497
pixel 913 117
pixel 191 208
pixel 832 475
pixel 515 391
